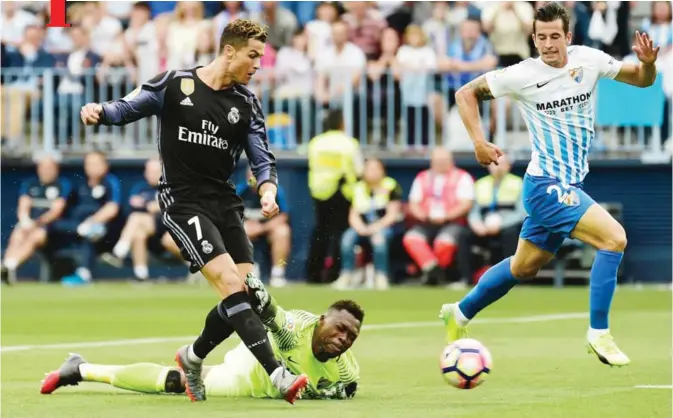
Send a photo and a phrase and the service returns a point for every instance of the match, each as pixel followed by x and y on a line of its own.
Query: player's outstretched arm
pixel 144 101
pixel 467 99
pixel 644 73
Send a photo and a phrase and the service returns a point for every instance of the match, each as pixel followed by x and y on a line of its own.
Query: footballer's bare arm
pixel 477 87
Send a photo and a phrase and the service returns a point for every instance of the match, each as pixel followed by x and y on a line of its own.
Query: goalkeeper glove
pixel 263 303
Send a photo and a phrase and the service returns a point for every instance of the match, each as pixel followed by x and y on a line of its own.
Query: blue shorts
pixel 553 211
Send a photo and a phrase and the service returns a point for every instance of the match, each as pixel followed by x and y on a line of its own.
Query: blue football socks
pixel 602 286
pixel 493 285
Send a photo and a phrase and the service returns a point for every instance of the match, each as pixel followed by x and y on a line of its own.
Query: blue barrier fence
pixel 41 113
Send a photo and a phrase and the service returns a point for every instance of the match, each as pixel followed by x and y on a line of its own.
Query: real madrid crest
pixel 187 86
pixel 233 116
pixel 206 247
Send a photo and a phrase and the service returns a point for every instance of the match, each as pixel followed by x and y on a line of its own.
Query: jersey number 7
pixel 197 225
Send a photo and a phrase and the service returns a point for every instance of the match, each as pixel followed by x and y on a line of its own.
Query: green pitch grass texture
pixel 536 336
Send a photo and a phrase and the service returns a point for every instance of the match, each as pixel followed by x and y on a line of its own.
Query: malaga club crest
pixel 577 74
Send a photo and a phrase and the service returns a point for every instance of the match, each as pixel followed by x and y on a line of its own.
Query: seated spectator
pixel 497 215
pixel 142 43
pixel 182 34
pixel 276 230
pixel 42 202
pixel 13 24
pixel 293 71
pixel 376 207
pixel 319 30
pixel 439 201
pixel 365 26
pixel 144 229
pixel 417 62
pixel 509 25
pixel 232 10
pixel 282 23
pixel 23 84
pixel 103 29
pixel 95 216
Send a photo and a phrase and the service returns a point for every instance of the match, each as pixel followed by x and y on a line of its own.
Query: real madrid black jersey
pixel 203 133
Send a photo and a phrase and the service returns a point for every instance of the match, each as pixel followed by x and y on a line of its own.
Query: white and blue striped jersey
pixel 557 105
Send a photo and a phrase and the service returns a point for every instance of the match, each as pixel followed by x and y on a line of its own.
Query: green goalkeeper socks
pixel 140 377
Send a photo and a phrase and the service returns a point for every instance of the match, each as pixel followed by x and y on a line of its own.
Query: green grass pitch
pixel 536 336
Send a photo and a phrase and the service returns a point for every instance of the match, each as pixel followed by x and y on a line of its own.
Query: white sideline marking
pixel 373 327
pixel 669 387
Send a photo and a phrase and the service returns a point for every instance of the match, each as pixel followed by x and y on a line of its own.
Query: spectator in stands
pixel 509 25
pixel 14 23
pixel 468 57
pixel 319 30
pixel 439 201
pixel 417 62
pixel 366 26
pixel 334 165
pixel 42 202
pixel 142 43
pixel 96 215
pixel 437 29
pixel 57 40
pixel 275 231
pixel 23 84
pixel 383 86
pixel 375 209
pixel 658 26
pixel 282 23
pixel 232 10
pixel 400 17
pixel 339 73
pixel 183 32
pixel 294 80
pixel 496 217
pixel 144 229
pixel 609 27
pixel 78 66
pixel 103 29
pixel 205 49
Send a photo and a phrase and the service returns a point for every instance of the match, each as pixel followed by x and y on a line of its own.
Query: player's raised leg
pixel 140 377
pixel 494 284
pixel 600 230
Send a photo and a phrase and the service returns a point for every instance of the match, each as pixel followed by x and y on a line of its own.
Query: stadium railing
pixel 628 119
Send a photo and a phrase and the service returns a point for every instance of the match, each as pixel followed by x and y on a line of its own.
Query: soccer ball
pixel 465 363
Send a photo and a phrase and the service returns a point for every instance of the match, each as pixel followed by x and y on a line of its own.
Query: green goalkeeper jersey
pixel 292 340
pixel 241 375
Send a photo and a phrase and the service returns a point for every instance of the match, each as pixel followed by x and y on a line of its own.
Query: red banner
pixel 57 19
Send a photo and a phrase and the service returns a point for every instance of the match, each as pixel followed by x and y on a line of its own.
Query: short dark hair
pixel 142 5
pixel 349 306
pixel 238 32
pixel 550 12
pixel 334 120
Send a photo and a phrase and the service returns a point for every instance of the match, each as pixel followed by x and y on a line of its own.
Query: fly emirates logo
pixel 208 136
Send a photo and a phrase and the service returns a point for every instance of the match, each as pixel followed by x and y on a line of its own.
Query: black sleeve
pixel 144 101
pixel 261 159
pixel 396 193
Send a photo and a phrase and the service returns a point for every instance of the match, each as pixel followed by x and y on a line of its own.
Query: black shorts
pixel 206 230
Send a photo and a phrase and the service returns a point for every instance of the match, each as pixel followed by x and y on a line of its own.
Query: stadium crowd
pixel 315 56
pixel 315 50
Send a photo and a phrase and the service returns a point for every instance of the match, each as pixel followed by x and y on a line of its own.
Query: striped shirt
pixel 557 105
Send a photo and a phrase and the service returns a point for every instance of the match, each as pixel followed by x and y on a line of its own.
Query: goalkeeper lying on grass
pixel 318 346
